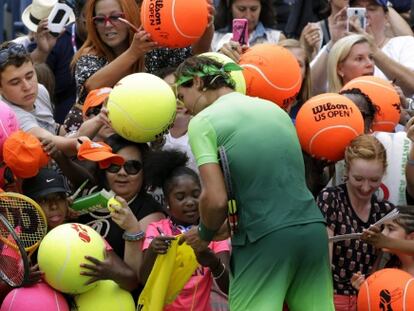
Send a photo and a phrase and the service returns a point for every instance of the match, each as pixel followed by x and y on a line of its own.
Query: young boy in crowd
pixel 31 102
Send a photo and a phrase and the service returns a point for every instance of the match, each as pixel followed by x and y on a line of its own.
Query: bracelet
pixel 205 233
pixel 221 273
pixel 133 236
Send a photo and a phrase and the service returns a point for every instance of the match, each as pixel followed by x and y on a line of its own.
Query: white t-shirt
pixel 181 144
pixel 40 116
pixel 400 49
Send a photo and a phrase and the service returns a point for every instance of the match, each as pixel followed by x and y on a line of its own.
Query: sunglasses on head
pixel 113 19
pixel 13 50
pixel 131 167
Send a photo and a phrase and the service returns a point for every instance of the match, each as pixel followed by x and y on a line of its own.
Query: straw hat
pixel 38 10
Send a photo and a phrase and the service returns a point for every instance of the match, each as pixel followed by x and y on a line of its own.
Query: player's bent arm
pixel 213 198
pixel 64 144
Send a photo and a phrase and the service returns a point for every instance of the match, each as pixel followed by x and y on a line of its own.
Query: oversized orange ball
pixel 384 96
pixel 387 289
pixel 271 72
pixel 326 124
pixel 174 23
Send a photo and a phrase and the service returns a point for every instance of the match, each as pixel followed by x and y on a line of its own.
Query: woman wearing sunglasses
pixel 127 181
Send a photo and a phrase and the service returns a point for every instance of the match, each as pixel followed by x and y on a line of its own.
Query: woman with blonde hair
pixel 350 208
pixel 349 58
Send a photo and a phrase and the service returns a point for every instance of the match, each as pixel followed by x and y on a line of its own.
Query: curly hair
pixel 210 82
pixel 162 168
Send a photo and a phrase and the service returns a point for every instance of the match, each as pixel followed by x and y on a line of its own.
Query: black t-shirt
pixel 142 206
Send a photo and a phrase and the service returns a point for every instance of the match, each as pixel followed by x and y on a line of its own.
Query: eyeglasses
pixel 132 167
pixel 13 50
pixel 93 111
pixel 113 19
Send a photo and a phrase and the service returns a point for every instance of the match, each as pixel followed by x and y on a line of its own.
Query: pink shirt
pixel 196 293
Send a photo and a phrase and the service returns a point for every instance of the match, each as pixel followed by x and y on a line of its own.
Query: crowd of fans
pixel 58 87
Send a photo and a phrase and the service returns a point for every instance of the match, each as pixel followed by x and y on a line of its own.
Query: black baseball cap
pixel 47 181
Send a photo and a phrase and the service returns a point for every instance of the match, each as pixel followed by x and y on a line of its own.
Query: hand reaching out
pixel 44 39
pixel 233 50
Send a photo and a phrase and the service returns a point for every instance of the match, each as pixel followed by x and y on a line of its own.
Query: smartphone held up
pixel 359 15
pixel 241 31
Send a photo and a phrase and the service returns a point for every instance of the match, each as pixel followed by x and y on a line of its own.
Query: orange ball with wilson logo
pixel 387 289
pixel 384 96
pixel 271 72
pixel 63 250
pixel 174 23
pixel 326 124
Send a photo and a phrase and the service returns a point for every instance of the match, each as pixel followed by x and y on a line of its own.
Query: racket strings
pixel 11 262
pixel 27 222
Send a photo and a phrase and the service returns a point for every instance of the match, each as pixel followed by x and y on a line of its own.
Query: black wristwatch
pixel 133 236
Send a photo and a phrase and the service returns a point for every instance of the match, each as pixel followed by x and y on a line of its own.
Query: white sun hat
pixel 38 10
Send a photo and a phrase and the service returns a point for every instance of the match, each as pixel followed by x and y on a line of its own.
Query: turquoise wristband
pixel 205 233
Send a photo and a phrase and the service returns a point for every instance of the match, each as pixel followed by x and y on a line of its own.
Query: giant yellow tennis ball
pixel 62 251
pixel 237 76
pixel 141 107
pixel 107 295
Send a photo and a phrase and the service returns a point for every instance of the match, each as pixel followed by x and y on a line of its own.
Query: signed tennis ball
pixel 113 202
pixel 63 250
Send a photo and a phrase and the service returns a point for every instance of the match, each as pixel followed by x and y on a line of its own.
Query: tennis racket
pixel 14 263
pixel 26 218
pixel 232 213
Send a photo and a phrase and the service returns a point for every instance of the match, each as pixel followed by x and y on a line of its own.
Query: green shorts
pixel 288 265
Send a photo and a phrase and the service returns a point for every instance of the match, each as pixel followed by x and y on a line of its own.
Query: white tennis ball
pixel 62 251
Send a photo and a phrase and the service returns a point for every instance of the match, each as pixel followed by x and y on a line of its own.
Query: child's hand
pixel 357 279
pixel 50 148
pixel 161 244
pixel 374 236
pixel 97 270
pixel 35 275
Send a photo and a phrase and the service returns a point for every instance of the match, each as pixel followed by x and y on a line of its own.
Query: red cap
pixel 99 152
pixel 95 98
pixel 24 155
